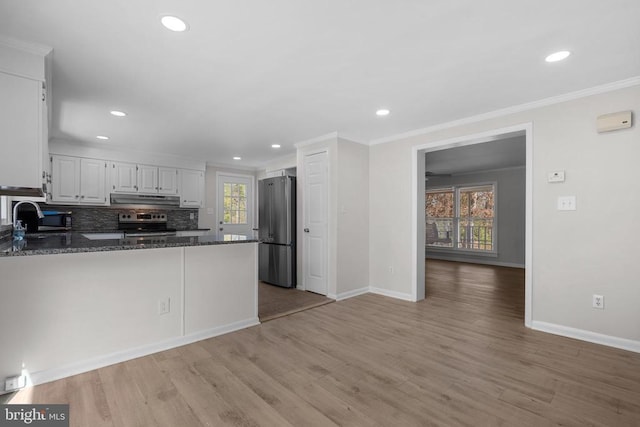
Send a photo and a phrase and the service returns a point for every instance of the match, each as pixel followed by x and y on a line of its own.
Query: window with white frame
pixel 461 218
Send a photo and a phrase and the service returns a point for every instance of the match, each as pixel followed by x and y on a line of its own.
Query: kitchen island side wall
pixel 64 314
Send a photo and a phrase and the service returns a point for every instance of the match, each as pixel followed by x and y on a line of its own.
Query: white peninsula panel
pixel 220 286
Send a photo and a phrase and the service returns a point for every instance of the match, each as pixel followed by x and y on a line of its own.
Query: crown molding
pixel 228 166
pixel 30 47
pixel 321 138
pixel 609 87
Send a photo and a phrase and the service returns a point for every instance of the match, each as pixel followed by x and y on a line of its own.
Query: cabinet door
pixel 167 181
pixel 124 178
pixel 147 179
pixel 20 139
pixel 191 188
pixel 65 179
pixel 93 175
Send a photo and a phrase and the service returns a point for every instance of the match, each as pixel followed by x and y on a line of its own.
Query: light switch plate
pixel 556 176
pixel 567 203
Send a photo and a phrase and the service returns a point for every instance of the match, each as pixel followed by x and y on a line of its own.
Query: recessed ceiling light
pixel 382 112
pixel 118 113
pixel 174 23
pixel 102 137
pixel 275 145
pixel 237 158
pixel 558 56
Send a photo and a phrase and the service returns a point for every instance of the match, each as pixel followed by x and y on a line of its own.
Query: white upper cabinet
pixel 21 121
pixel 167 181
pixel 65 179
pixel 23 116
pixel 147 179
pixel 124 178
pixel 78 181
pixel 191 188
pixel 93 180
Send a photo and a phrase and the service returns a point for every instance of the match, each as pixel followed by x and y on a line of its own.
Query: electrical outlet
pixel 391 269
pixel 598 301
pixel 15 383
pixel 192 215
pixel 164 305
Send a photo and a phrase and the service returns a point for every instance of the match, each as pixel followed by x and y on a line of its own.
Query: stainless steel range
pixel 144 224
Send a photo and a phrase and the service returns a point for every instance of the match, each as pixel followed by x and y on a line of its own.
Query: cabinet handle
pixel 114 187
pixel 82 197
pixel 77 196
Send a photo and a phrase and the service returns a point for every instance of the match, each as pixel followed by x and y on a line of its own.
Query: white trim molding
pixel 82 366
pixel 609 87
pixel 321 138
pixel 417 166
pixel 392 294
pixel 349 294
pixel 592 337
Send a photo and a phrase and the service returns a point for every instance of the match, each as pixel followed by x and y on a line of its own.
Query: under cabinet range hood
pixel 144 199
pixel 21 191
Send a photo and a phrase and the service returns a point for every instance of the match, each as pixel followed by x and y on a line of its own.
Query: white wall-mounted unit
pixel 614 121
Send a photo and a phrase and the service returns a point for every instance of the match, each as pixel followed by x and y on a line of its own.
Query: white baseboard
pixel 392 294
pixel 581 334
pixel 351 294
pixel 476 261
pixel 121 356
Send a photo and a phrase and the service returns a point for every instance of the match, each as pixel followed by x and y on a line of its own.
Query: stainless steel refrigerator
pixel 277 231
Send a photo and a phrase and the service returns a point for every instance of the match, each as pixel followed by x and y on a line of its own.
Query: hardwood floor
pixel 461 357
pixel 274 301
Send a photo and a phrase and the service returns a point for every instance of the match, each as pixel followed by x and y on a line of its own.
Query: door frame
pixel 254 197
pixel 417 209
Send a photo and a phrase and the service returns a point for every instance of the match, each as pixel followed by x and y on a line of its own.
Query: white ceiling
pixel 252 73
pixel 499 154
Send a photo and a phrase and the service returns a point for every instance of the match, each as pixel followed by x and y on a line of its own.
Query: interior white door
pixel 235 204
pixel 315 223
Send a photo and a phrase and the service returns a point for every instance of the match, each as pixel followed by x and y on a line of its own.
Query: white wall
pixel 207 215
pixel 352 246
pixel 510 215
pixel 575 254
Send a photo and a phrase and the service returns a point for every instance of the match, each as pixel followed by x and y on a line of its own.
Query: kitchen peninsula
pixel 70 304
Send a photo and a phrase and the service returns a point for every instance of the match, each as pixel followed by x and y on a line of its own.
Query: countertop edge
pixel 57 251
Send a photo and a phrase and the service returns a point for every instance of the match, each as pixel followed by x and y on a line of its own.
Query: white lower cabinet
pixel 77 180
pixel 191 188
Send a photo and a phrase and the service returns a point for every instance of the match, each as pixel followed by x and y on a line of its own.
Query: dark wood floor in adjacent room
pixel 461 357
pixel 274 301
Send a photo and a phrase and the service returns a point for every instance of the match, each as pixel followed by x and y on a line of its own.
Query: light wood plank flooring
pixel 461 357
pixel 274 301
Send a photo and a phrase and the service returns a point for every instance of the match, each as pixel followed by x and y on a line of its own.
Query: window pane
pixel 227 189
pixel 439 204
pixel 242 217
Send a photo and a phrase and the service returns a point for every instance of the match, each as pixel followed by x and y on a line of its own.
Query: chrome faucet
pixel 15 211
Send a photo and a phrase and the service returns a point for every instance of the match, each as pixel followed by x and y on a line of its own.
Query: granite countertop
pixel 74 242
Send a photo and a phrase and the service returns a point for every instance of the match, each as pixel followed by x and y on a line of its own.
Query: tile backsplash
pixel 91 218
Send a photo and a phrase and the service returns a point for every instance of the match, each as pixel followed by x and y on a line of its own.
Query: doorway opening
pixel 472 205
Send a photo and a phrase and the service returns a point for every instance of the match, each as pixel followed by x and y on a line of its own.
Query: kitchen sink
pixel 104 236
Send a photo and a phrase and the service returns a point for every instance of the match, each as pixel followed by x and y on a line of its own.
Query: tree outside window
pixel 235 203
